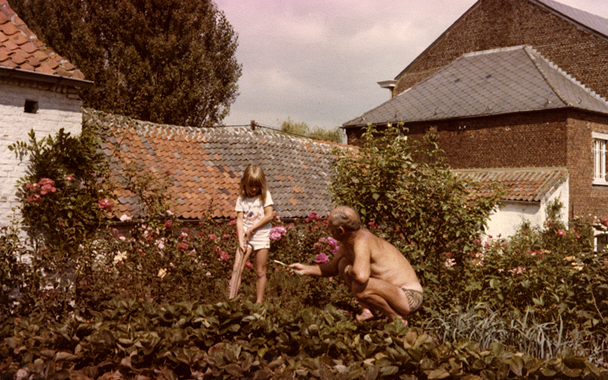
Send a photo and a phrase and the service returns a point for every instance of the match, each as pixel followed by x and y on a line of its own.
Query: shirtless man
pixel 379 276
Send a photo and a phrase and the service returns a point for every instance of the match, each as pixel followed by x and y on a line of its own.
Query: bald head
pixel 346 218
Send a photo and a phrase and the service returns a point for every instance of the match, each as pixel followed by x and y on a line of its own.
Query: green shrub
pixel 65 194
pixel 406 190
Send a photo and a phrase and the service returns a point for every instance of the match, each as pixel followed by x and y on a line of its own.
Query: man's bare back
pixel 387 263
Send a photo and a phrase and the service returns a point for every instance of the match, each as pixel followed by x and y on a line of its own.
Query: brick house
pixel 38 90
pixel 515 91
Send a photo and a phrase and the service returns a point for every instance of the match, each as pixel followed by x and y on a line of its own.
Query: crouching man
pixel 379 276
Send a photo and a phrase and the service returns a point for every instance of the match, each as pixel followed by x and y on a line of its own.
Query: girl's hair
pixel 252 176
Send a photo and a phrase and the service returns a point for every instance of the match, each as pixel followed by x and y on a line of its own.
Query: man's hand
pixel 299 267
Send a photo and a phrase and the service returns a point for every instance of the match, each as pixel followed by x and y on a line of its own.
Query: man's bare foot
pixel 366 314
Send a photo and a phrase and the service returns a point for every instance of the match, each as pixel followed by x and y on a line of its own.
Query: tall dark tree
pixel 166 61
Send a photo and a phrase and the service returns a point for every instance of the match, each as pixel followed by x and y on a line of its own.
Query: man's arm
pixel 360 271
pixel 322 270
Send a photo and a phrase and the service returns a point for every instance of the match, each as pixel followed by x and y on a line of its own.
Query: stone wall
pixel 55 107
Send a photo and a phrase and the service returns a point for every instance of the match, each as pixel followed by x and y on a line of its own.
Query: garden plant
pixel 151 301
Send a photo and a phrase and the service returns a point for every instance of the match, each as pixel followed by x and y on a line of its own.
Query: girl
pixel 254 213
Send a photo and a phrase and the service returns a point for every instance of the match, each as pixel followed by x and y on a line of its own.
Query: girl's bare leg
pixel 261 257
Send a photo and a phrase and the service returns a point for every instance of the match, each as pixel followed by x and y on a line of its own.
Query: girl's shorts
pixel 260 240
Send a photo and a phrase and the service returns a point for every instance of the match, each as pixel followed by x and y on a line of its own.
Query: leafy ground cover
pixel 244 340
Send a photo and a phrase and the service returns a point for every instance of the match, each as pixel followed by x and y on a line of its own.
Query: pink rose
pixel 69 178
pixel 321 258
pixel 105 204
pixel 168 224
pixel 561 232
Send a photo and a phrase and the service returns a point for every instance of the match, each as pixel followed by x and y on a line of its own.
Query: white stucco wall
pixel 57 108
pixel 507 219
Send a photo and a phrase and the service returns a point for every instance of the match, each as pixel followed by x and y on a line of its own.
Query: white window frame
pixel 600 159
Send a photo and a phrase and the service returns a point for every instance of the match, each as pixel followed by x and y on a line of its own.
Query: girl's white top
pixel 253 211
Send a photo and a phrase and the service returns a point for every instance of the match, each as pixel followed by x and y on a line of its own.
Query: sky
pixel 319 61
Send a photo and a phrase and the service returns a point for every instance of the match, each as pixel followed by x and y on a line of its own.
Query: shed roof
pixel 491 82
pixel 205 164
pixel 23 54
pixel 521 184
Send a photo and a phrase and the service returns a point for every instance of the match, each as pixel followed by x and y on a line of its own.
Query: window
pixel 600 144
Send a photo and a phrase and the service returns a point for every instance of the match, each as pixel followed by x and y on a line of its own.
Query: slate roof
pixel 491 82
pixel 22 53
pixel 582 18
pixel 205 164
pixel 521 184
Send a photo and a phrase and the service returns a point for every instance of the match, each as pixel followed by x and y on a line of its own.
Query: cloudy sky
pixel 319 61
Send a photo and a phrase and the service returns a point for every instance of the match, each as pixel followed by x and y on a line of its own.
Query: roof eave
pixel 42 77
pixel 565 107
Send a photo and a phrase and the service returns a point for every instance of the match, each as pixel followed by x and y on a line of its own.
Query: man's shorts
pixel 414 299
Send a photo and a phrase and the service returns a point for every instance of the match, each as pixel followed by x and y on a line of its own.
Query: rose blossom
pixel 321 258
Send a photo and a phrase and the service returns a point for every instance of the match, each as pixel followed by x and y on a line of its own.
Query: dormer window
pixel 31 106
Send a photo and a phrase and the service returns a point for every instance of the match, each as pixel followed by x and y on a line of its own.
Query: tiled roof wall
pixel 205 165
pixel 21 49
pixel 521 184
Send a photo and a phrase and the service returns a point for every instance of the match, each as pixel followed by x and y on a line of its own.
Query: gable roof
pixel 491 82
pixel 23 55
pixel 521 184
pixel 205 164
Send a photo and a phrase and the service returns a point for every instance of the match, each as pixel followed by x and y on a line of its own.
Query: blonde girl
pixel 254 213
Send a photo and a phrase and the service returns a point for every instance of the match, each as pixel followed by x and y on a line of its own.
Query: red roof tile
pixel 19 48
pixel 205 164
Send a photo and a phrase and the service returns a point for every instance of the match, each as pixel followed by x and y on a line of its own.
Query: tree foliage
pixel 165 61
pixel 291 127
pixel 408 190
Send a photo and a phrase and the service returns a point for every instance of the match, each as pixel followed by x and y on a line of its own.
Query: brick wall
pixel 557 138
pixel 58 107
pixel 501 23
pixel 585 198
pixel 517 140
